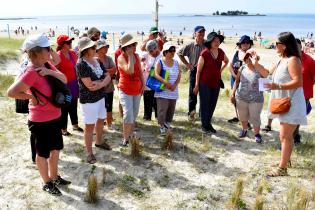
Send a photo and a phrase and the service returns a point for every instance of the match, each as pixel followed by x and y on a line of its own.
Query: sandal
pixel 77 129
pixel 278 172
pixel 103 146
pixel 289 165
pixel 91 159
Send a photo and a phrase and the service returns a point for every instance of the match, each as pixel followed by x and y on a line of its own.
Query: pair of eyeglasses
pixel 48 48
pixel 277 43
pixel 68 42
pixel 171 50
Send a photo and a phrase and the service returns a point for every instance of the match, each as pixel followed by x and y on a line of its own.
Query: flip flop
pixel 91 159
pixel 103 146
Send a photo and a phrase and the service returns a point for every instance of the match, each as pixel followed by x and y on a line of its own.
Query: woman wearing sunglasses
pixel 286 82
pixel 92 80
pixel 68 60
pixel 166 99
pixel 44 117
pixel 131 84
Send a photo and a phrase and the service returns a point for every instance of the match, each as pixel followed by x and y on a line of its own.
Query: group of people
pixel 89 74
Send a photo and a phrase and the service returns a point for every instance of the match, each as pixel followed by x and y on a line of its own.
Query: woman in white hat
pixel 101 50
pixel 166 99
pixel 44 117
pixel 92 80
pixel 131 84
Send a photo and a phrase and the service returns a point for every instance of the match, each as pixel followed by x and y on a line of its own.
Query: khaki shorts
pixel 249 111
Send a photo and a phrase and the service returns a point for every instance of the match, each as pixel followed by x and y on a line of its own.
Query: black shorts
pixel 109 101
pixel 47 136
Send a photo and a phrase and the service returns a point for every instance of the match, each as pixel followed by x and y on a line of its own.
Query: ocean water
pixel 270 25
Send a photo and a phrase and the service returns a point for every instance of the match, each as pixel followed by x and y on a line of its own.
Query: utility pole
pixel 156 15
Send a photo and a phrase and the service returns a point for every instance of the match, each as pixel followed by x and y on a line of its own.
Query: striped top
pixel 174 72
pixel 192 51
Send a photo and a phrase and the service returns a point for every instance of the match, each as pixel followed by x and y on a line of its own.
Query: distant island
pixel 236 13
pixel 18 18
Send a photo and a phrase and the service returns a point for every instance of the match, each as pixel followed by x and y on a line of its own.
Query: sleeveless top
pixel 297 112
pixel 174 72
pixel 130 84
pixel 248 88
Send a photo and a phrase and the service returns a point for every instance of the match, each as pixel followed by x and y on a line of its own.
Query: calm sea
pixel 270 25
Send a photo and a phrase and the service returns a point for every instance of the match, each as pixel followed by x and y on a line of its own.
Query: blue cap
pixel 244 39
pixel 199 28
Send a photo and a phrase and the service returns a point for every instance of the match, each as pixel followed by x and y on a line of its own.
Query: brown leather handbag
pixel 280 105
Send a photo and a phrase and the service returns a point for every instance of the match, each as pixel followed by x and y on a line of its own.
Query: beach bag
pixel 280 105
pixel 60 94
pixel 155 84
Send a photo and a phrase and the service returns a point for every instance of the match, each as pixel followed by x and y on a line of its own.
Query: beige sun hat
pixel 101 43
pixel 126 40
pixel 167 46
pixel 85 43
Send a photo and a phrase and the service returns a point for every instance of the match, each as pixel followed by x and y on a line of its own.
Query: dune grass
pixel 5 81
pixel 9 49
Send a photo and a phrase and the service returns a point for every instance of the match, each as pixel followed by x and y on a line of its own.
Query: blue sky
pixel 86 7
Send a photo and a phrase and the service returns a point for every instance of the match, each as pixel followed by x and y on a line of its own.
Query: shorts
pixel 47 136
pixel 93 111
pixel 249 112
pixel 109 101
pixel 130 105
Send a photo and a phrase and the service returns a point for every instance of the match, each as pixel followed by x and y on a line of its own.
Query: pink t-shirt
pixel 40 113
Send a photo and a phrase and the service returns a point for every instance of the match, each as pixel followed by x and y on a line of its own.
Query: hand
pixel 129 51
pixel 271 86
pixel 233 100
pixel 94 86
pixel 43 71
pixel 168 86
pixel 173 87
pixel 36 101
pixel 189 66
pixel 196 90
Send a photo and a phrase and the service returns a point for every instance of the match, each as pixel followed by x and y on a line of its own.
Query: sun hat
pixel 63 38
pixel 154 30
pixel 167 46
pixel 85 43
pixel 199 28
pixel 212 35
pixel 151 45
pixel 93 31
pixel 245 38
pixel 126 40
pixel 101 43
pixel 36 40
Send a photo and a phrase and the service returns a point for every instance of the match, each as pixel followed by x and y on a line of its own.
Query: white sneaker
pixel 163 131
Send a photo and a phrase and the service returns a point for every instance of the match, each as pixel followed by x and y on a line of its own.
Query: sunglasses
pixel 48 49
pixel 171 50
pixel 277 43
pixel 245 43
pixel 68 42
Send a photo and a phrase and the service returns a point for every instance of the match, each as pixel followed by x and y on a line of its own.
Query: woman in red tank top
pixel 131 84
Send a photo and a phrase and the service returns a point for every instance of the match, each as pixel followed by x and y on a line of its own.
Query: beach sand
pixel 199 173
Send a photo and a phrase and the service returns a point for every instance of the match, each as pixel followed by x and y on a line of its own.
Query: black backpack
pixel 60 94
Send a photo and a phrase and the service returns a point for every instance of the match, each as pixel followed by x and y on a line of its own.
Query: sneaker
pixel 205 131
pixel 212 130
pixel 233 120
pixel 242 134
pixel 51 188
pixel 78 129
pixel 162 131
pixel 267 128
pixel 60 181
pixel 258 138
pixel 125 143
pixel 192 116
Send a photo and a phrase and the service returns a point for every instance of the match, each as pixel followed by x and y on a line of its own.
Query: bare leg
pixel 256 129
pixel 286 138
pixel 42 168
pixel 88 137
pixel 53 164
pixel 99 131
pixel 109 119
pixel 128 129
pixel 244 125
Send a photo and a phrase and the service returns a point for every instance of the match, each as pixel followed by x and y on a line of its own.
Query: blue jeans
pixel 208 101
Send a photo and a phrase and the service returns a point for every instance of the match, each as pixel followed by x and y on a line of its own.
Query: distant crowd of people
pixel 89 73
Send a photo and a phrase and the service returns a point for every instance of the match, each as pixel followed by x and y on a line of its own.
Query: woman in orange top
pixel 131 84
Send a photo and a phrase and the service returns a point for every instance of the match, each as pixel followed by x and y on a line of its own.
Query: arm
pixel 235 86
pixel 181 54
pixel 177 80
pixel 18 91
pixel 54 57
pixel 232 70
pixel 200 65
pixel 225 61
pixel 295 71
pixel 95 85
pixel 43 71
pixel 157 76
pixel 127 67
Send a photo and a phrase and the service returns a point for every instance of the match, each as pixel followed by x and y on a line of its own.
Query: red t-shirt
pixel 40 113
pixel 211 71
pixel 117 54
pixel 67 66
pixel 308 72
pixel 130 84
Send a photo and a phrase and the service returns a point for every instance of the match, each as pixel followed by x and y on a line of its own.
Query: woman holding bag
pixel 286 86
